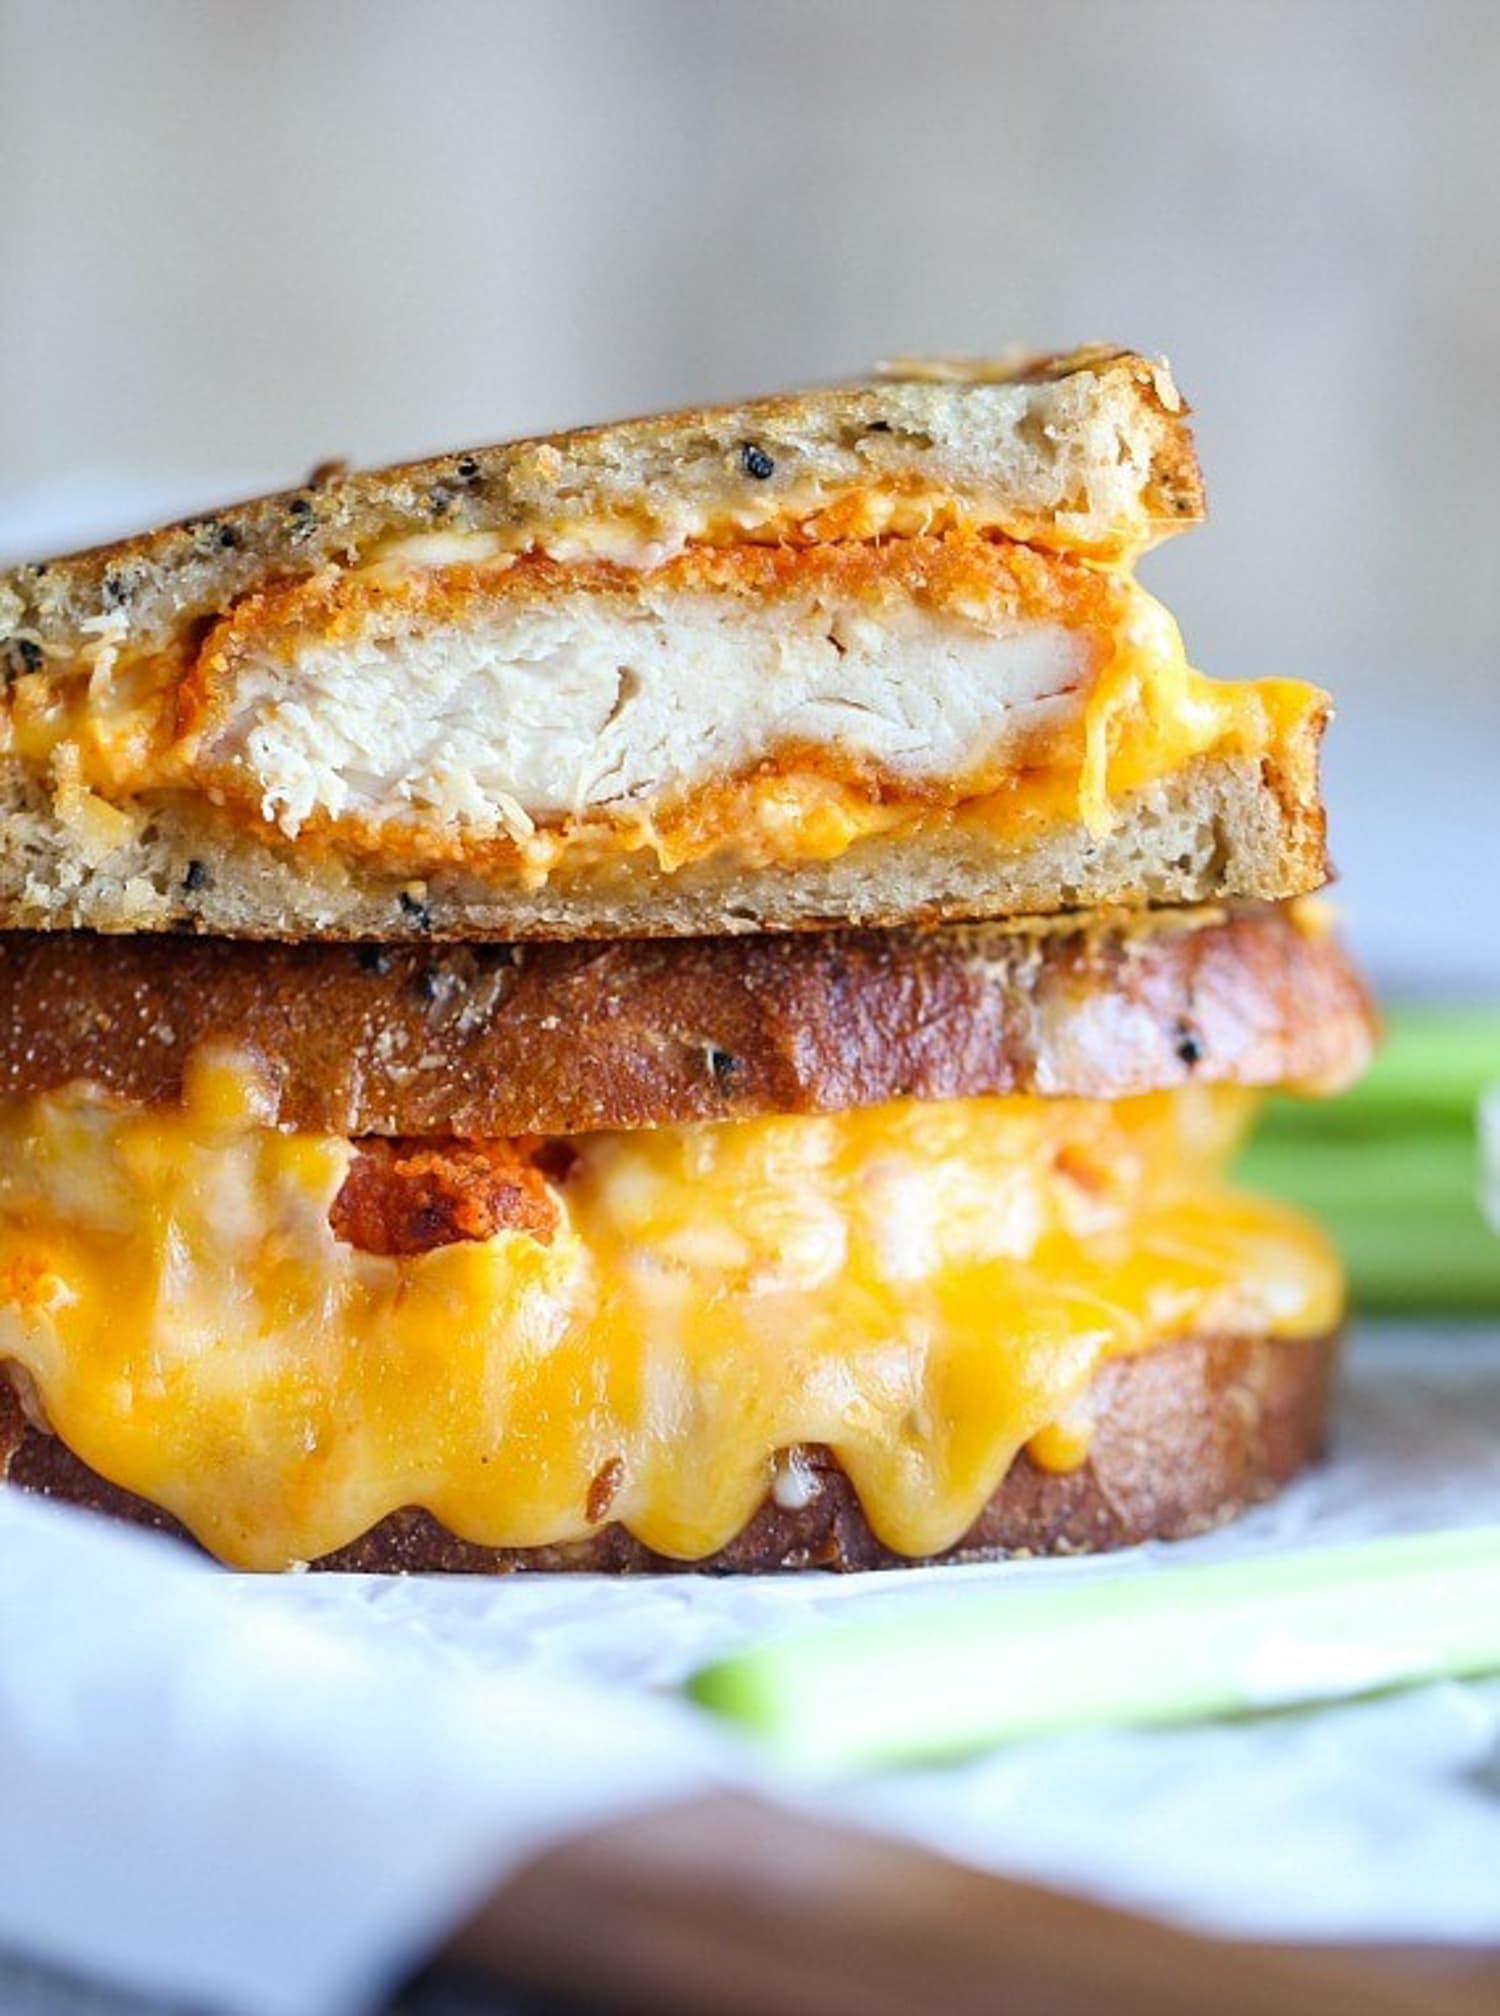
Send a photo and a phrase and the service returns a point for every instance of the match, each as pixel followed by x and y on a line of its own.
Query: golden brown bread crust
pixel 489 1040
pixel 1185 1437
pixel 1088 451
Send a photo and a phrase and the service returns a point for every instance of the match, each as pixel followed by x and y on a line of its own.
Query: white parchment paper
pixel 271 1795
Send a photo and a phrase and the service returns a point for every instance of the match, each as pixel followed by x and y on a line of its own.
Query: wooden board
pixel 741 1909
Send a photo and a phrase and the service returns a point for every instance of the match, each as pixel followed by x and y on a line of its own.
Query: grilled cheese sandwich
pixel 521 1113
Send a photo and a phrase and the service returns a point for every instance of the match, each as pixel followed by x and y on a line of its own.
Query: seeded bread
pixel 1088 452
pixel 1185 1437
pixel 487 1041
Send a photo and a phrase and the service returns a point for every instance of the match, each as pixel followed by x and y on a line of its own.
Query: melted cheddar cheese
pixel 925 1288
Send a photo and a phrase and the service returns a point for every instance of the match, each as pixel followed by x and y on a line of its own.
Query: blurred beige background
pixel 241 237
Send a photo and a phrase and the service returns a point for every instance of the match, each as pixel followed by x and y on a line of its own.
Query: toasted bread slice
pixel 1087 452
pixel 1185 1437
pixel 486 1041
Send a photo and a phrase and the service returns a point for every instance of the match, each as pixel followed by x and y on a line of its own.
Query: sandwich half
pixel 867 655
pixel 833 1249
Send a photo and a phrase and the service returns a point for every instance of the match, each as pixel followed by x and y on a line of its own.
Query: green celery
pixel 1392 1167
pixel 1432 1061
pixel 1106 1650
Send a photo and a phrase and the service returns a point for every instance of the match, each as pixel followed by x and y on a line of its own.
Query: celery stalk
pixel 1433 1061
pixel 1174 1645
pixel 1393 1167
pixel 1402 1208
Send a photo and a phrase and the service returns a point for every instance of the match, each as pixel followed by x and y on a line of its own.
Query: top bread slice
pixel 866 655
pixel 1087 453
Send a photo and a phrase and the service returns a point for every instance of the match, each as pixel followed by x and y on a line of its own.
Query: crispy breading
pixel 414 1196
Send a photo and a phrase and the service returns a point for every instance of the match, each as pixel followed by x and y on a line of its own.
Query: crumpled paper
pixel 273 1795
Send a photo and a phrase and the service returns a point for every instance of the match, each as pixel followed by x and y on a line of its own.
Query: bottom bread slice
pixel 1185 1436
pixel 1224 827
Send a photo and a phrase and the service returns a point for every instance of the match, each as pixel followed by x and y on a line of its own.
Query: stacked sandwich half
pixel 679 994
